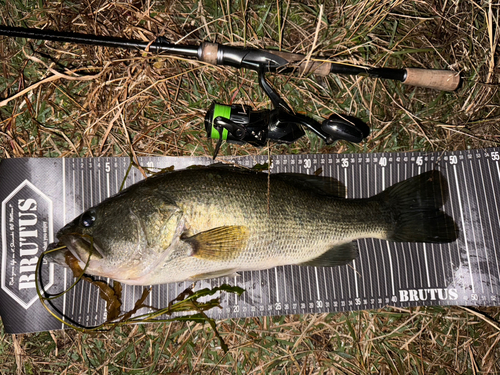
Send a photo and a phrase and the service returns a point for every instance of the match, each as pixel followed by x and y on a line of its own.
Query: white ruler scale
pixel 40 195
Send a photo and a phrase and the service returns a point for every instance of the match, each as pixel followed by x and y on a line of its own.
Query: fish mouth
pixel 82 247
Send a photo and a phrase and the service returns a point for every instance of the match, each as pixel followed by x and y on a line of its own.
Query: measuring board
pixel 40 195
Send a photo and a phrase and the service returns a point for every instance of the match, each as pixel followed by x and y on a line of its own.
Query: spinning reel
pixel 238 123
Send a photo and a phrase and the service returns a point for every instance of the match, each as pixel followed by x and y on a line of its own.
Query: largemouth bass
pixel 208 222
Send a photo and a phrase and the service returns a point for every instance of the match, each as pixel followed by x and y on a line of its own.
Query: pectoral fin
pixel 222 243
pixel 336 256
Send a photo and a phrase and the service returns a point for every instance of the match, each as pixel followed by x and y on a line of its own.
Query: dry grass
pixel 87 101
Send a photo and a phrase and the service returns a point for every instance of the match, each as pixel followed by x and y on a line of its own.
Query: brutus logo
pixel 26 233
pixel 434 294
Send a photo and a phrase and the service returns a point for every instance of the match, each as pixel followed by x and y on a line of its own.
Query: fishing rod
pixel 240 123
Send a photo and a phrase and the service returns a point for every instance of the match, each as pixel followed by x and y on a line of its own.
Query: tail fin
pixel 414 208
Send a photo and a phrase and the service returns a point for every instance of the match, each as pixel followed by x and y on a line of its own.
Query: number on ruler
pixel 495 155
pixel 307 163
pixel 383 161
pixel 453 159
pixel 420 160
pixel 345 162
pixel 107 167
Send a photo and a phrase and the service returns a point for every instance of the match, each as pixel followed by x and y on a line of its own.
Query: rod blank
pixel 445 80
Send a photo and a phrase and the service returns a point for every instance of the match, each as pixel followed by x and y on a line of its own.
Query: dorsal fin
pixel 319 184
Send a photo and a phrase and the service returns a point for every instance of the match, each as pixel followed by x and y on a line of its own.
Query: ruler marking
pixel 389 253
pixel 348 267
pixel 73 187
pixel 99 178
pixel 294 296
pixel 325 281
pixel 358 243
pixel 426 260
pixel 370 278
pixel 497 214
pixel 108 184
pixel 381 181
pixel 365 194
pixel 354 271
pixel 277 284
pixel 83 208
pixel 454 215
pixel 416 255
pixel 301 283
pixel 410 260
pixel 318 294
pixel 355 278
pixel 482 226
pixel 399 252
pixel 488 218
pixel 116 181
pixel 392 270
pixel 333 283
pixel 463 221
pixel 90 172
pixel 99 192
pixel 268 279
pixel 339 273
pixel 442 248
pixel 474 229
pixel 65 271
pixel 285 290
pixel 309 284
pixel 374 246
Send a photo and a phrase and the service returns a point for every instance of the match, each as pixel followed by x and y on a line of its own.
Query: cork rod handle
pixel 446 80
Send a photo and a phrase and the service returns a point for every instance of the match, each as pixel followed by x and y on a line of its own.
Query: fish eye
pixel 88 218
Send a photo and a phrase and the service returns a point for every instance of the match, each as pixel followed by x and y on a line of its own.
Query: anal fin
pixel 336 256
pixel 212 275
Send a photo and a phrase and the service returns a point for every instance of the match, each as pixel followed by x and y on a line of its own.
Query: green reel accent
pixel 220 111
